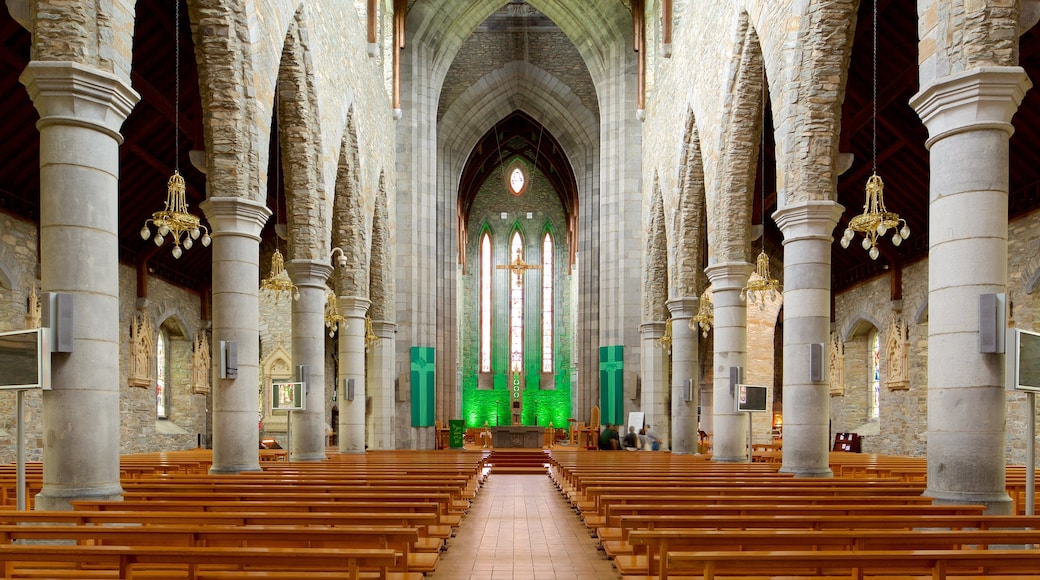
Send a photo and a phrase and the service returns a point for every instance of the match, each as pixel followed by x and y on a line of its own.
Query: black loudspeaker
pixel 349 388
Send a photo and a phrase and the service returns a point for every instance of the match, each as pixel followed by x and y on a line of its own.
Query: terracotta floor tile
pixel 520 528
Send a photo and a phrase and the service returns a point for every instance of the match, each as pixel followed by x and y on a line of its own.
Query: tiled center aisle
pixel 521 528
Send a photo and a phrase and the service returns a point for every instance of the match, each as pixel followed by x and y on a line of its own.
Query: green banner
pixel 612 384
pixel 423 377
pixel 456 432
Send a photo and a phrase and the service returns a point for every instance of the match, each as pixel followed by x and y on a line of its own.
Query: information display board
pixel 287 397
pixel 751 398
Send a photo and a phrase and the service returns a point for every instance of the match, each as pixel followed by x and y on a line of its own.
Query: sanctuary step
pixel 517 461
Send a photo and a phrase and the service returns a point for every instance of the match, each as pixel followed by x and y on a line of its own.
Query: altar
pixel 515 436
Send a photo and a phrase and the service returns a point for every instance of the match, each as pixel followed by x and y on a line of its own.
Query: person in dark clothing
pixel 631 440
pixel 608 439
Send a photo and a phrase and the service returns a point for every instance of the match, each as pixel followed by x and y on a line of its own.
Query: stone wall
pixel 177 312
pixel 903 425
pixel 18 265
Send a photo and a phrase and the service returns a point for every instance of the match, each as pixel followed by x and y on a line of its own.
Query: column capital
pixel 235 216
pixel 652 330
pixel 353 306
pixel 728 275
pixel 384 328
pixel 69 93
pixel 684 307
pixel 982 98
pixel 808 220
pixel 309 272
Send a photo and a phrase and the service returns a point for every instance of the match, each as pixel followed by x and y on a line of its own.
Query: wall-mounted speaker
pixel 816 362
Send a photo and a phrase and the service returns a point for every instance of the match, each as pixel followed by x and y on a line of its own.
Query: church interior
pixel 773 230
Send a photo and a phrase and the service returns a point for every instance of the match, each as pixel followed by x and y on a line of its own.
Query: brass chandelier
pixel 875 221
pixel 278 281
pixel 333 319
pixel 175 219
pixel 666 338
pixel 761 283
pixel 705 315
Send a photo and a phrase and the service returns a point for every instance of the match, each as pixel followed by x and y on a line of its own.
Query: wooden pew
pixel 857 564
pixel 866 509
pixel 755 504
pixel 618 544
pixel 400 539
pixel 660 543
pixel 125 560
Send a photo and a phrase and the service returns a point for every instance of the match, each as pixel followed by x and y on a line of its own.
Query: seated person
pixel 652 438
pixel 608 439
pixel 631 441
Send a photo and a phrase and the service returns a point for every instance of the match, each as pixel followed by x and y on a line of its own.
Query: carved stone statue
pixel 897 354
pixel 32 314
pixel 142 352
pixel 836 370
pixel 200 365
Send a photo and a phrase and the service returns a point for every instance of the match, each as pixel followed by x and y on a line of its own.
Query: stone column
pixel 684 369
pixel 236 224
pixel 729 440
pixel 654 391
pixel 381 383
pixel 808 229
pixel 307 427
pixel 352 368
pixel 968 116
pixel 81 111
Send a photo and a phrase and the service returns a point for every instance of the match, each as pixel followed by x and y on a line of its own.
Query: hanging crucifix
pixel 516 317
pixel 518 266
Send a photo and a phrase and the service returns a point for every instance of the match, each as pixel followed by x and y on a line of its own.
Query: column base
pixel 309 457
pixel 736 459
pixel 233 469
pixel 819 473
pixel 52 501
pixel 996 503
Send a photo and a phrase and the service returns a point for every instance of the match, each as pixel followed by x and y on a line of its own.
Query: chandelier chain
pixel 177 85
pixel 873 95
pixel 876 220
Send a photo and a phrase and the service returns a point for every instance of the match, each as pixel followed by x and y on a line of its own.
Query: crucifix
pixel 518 266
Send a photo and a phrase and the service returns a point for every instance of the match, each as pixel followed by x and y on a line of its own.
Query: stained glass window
pixel 547 304
pixel 485 303
pixel 160 376
pixel 516 307
pixel 875 375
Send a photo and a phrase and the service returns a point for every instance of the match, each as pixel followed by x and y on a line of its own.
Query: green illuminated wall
pixel 546 398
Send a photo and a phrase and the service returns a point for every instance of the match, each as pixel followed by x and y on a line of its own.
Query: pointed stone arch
pixel 301 146
pixel 689 232
pixel 595 38
pixel 223 39
pixel 351 223
pixel 381 273
pixel 655 278
pixel 730 201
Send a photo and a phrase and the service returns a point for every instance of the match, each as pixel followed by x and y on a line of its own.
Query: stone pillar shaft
pixel 685 367
pixel 307 427
pixel 968 116
pixel 236 224
pixel 729 442
pixel 81 110
pixel 808 229
pixel 352 369
pixel 654 395
pixel 382 386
